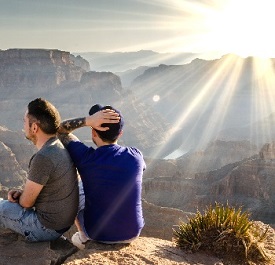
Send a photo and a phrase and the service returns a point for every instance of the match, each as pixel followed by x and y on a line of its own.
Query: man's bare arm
pixel 68 126
pixel 29 194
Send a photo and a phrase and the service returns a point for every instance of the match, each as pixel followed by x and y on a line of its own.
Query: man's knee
pixel 10 210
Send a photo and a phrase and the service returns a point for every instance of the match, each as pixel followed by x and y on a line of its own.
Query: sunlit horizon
pixel 211 29
pixel 207 29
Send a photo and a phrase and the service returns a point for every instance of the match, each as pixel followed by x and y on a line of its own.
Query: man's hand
pixel 100 117
pixel 14 195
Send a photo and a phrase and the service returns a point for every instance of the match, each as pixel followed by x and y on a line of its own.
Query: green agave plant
pixel 224 230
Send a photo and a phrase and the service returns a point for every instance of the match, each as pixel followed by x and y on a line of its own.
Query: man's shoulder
pixel 133 151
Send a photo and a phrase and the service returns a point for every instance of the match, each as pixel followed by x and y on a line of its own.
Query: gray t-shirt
pixel 57 203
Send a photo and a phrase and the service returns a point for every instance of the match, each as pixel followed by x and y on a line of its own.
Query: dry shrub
pixel 226 232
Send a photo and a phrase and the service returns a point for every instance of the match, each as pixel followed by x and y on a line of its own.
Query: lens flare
pixel 156 98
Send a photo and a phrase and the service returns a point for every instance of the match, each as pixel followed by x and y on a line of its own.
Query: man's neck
pixel 42 139
pixel 102 143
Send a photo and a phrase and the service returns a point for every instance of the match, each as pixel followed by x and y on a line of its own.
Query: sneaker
pixel 76 240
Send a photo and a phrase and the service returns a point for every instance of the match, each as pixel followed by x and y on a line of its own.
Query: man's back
pixel 112 180
pixel 51 166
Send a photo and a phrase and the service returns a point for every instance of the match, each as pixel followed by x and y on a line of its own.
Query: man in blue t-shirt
pixel 110 207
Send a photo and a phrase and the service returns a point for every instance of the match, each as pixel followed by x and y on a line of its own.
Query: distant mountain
pixel 66 81
pixel 124 61
pixel 166 106
pixel 203 99
pixel 128 76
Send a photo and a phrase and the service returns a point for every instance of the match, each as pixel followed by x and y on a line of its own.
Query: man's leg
pixel 80 238
pixel 24 222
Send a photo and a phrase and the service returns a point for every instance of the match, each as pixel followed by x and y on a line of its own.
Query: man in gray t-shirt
pixel 52 167
pixel 48 203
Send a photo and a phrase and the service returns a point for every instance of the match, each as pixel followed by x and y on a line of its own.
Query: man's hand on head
pixel 100 117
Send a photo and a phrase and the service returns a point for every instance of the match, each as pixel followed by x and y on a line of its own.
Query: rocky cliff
pixel 158 228
pixel 144 250
pixel 248 183
pixel 216 155
pixel 63 79
pixel 37 70
pixel 15 153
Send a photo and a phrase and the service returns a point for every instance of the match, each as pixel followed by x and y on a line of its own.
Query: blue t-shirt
pixel 112 182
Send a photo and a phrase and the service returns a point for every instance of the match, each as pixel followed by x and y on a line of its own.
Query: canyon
pixel 228 158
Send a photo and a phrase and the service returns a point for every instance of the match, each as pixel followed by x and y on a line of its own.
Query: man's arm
pixel 28 196
pixel 95 121
pixel 68 126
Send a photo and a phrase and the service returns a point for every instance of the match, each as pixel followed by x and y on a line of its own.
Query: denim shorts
pixel 25 222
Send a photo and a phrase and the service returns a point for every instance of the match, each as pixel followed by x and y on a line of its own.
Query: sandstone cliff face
pixel 22 148
pixel 63 79
pixel 159 221
pixel 15 153
pixel 268 151
pixel 216 155
pixel 161 168
pixel 102 84
pixel 36 69
pixel 249 183
pixel 80 62
pixel 11 173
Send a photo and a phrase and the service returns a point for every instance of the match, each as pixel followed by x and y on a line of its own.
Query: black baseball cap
pixel 114 128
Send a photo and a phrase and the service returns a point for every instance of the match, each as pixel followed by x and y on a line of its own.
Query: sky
pixel 243 27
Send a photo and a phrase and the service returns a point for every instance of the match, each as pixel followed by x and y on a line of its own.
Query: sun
pixel 242 27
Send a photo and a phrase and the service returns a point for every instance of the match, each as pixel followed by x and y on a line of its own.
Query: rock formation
pixel 216 155
pixel 159 223
pixel 268 151
pixel 65 80
pixel 144 250
pixel 15 153
pixel 37 69
pixel 248 183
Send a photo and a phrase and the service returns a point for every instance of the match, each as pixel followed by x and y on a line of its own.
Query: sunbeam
pixel 263 99
pixel 222 98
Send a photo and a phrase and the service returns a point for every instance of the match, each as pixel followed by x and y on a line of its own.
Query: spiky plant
pixel 224 230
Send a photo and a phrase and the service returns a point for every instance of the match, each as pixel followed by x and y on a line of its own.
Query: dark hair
pixel 45 114
pixel 115 129
pixel 108 138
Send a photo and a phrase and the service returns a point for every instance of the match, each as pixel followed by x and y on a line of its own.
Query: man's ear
pixel 94 133
pixel 34 127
